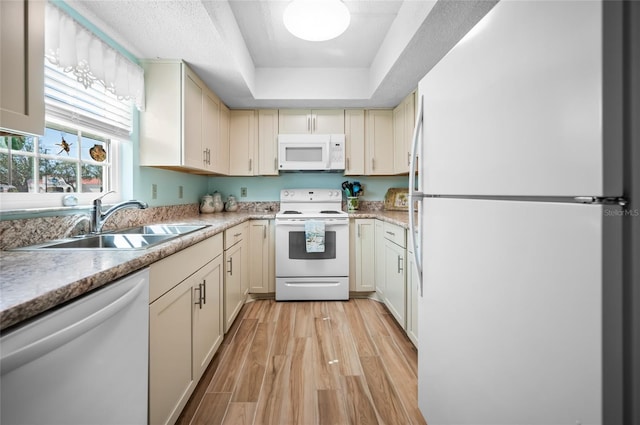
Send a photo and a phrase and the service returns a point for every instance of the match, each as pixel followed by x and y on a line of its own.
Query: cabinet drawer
pixel 395 234
pixel 167 273
pixel 235 234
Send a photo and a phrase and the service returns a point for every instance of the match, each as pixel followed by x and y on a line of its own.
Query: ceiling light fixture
pixel 316 20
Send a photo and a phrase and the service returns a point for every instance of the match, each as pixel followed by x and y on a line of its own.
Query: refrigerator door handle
pixel 415 195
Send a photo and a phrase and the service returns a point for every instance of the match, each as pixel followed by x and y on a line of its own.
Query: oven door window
pixel 298 247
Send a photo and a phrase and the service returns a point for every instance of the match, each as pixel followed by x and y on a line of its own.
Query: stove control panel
pixel 310 195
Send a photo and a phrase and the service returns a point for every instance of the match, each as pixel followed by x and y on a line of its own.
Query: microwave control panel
pixel 336 153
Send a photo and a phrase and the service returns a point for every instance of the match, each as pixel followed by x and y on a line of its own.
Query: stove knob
pixel 285 193
pixel 292 194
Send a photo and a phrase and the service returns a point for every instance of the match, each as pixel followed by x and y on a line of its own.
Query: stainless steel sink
pixel 141 237
pixel 162 229
pixel 108 241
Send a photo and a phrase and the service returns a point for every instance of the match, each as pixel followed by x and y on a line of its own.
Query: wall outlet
pixel 243 192
pixel 154 191
pixel 180 192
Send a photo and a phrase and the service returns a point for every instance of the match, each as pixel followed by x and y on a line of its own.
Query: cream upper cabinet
pixel 403 123
pixel 180 127
pixel 379 150
pixel 268 142
pixel 320 121
pixel 242 142
pixel 22 66
pixel 354 141
pixel 220 158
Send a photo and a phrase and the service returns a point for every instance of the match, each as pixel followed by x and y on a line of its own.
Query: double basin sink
pixel 141 237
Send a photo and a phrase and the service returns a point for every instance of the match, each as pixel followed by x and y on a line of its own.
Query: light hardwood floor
pixel 308 363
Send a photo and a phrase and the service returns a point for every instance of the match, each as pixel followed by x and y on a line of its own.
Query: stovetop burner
pixel 291 212
pixel 329 212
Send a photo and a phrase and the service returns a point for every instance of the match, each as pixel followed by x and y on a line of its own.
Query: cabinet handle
pixel 204 156
pixel 250 164
pixel 408 158
pixel 359 230
pixel 309 123
pixel 373 164
pixel 235 235
pixel 348 167
pixel 400 261
pixel 204 291
pixel 199 289
pixel 264 232
pixel 230 261
pixel 275 164
pixel 209 156
pixel 390 233
pixel 314 123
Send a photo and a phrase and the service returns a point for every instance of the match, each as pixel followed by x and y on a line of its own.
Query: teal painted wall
pixel 261 188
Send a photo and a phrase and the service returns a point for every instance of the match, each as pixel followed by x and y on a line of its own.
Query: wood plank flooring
pixel 310 363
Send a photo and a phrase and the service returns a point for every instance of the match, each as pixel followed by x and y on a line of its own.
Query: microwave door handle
pixel 328 154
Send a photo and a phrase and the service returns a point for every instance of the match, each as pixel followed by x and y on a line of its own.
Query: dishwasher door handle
pixel 58 338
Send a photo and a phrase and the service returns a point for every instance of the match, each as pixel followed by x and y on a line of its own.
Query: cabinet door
pixel 379 142
pixel 403 120
pixel 210 129
pixel 327 121
pixel 268 142
pixel 412 299
pixel 365 254
pixel 380 278
pixel 242 139
pixel 259 245
pixel 233 291
pixel 354 141
pixel 208 329
pixel 395 297
pixel 294 121
pixel 192 119
pixel 220 157
pixel 22 66
pixel 170 374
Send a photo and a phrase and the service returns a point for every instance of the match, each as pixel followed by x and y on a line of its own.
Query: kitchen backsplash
pixel 30 231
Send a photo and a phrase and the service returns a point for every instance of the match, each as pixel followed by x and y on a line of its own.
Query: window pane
pixel 94 149
pixel 15 177
pixel 92 176
pixel 56 142
pixel 57 176
pixel 17 143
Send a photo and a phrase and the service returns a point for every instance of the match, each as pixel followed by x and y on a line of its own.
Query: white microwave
pixel 311 152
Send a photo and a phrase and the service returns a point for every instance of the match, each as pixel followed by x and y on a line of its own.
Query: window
pixel 63 160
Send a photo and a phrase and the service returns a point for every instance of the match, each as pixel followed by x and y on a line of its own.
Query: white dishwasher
pixel 84 363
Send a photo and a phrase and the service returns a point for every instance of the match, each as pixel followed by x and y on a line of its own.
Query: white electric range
pixel 303 273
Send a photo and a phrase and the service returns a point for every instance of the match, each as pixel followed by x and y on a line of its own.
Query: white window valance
pixel 75 49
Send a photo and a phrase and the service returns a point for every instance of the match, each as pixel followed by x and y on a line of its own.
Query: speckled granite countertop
pixel 32 283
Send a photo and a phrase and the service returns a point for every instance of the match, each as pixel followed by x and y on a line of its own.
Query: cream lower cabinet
pixel 379 279
pixel 22 66
pixel 236 276
pixel 364 254
pixel 395 271
pixel 412 296
pixel 185 325
pixel 262 255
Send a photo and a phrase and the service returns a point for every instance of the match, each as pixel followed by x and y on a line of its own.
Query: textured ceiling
pixel 242 51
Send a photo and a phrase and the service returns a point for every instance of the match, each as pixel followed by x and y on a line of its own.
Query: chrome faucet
pixel 98 218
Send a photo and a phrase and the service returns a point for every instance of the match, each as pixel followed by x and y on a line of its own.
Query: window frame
pixel 25 201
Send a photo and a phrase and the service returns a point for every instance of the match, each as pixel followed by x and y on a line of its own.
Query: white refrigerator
pixel 520 220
